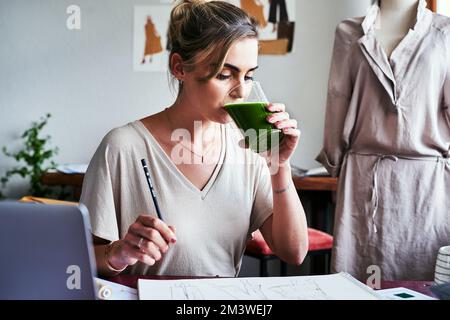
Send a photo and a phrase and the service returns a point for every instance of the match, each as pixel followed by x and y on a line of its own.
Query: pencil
pixel 150 185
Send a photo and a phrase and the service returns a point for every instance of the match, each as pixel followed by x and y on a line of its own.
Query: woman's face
pixel 207 98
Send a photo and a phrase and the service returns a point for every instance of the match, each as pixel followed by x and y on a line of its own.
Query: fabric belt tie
pixel 375 186
pixel 380 157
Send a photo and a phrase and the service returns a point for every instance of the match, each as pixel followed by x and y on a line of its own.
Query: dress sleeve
pixel 98 192
pixel 338 100
pixel 263 201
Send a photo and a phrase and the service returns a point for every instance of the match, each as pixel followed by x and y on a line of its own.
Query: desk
pixel 327 184
pixel 315 183
pixel 318 196
pixel 131 281
pixel 301 183
pixel 65 180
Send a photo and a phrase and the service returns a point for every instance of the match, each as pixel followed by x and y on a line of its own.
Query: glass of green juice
pixel 250 114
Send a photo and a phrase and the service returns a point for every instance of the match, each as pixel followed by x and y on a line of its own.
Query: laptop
pixel 46 252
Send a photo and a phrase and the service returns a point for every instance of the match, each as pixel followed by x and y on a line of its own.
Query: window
pixel 443 7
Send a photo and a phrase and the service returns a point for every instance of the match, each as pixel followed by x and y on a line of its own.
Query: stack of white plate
pixel 442 271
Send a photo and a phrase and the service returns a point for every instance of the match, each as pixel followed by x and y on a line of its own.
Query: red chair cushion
pixel 257 245
pixel 318 240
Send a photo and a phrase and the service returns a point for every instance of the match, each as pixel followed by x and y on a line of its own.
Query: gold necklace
pixel 202 156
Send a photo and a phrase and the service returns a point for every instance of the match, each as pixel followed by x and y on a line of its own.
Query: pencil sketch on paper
pixel 182 291
pixel 300 290
pixel 326 287
pixel 292 290
pixel 244 289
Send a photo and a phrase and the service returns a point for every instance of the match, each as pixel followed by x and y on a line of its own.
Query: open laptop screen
pixel 46 252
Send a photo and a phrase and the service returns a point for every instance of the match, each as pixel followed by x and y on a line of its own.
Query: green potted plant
pixel 35 159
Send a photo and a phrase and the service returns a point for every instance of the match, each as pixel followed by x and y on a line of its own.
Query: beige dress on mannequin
pixel 387 137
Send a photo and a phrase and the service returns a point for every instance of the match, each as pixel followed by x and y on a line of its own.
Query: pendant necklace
pixel 202 156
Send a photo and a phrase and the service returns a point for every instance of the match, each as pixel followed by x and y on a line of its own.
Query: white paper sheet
pixel 340 286
pixel 72 168
pixel 320 171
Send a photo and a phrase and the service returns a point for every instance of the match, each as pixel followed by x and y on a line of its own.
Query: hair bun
pixel 192 2
pixel 195 1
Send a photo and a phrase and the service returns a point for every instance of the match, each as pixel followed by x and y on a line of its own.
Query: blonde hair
pixel 203 31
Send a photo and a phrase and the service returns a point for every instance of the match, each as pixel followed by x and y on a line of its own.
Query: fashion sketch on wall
pixel 276 19
pixel 150 28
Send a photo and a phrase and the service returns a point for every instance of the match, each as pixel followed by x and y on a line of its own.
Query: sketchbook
pixel 339 286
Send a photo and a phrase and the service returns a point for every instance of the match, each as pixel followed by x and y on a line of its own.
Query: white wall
pixel 85 78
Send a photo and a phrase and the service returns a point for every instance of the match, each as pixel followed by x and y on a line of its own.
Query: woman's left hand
pixel 281 120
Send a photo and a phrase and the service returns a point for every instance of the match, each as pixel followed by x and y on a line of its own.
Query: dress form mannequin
pixel 396 18
pixel 378 111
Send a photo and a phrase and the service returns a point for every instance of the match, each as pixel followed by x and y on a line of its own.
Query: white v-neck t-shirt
pixel 212 224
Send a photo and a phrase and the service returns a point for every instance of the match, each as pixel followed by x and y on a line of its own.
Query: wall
pixel 86 80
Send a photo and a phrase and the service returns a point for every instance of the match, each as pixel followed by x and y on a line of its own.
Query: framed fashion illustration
pixel 149 39
pixel 276 19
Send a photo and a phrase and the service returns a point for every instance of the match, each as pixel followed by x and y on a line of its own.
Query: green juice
pixel 252 115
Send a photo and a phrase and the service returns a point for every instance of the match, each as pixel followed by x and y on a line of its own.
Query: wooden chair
pixel 320 244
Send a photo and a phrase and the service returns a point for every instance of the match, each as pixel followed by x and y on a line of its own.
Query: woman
pixel 211 205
